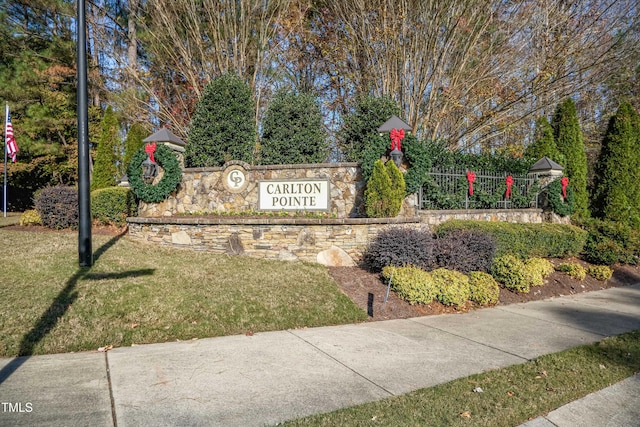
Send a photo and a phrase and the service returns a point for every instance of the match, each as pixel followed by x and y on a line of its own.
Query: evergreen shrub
pixel 600 272
pixel 452 286
pixel 573 269
pixel 385 191
pixel 611 242
pixel 112 205
pixel 465 250
pixel 525 240
pixel 400 246
pixel 510 271
pixel 536 270
pixel 484 289
pixel 411 283
pixel 58 207
pixel 30 217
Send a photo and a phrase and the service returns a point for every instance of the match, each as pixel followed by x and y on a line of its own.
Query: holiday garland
pixel 168 183
pixel 559 204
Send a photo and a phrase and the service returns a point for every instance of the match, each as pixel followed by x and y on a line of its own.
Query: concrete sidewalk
pixel 271 377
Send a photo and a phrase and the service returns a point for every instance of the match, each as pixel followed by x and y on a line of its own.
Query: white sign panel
pixel 293 195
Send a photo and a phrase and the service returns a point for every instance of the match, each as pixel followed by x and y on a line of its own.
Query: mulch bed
pixel 368 291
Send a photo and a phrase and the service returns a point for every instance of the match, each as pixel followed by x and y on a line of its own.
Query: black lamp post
pixel 85 253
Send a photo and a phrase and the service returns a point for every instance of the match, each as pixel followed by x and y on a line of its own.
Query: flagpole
pixel 4 187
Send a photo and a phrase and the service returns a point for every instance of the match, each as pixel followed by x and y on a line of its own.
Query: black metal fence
pixel 450 189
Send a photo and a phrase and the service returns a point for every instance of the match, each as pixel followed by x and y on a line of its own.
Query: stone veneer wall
pixel 203 190
pixel 328 241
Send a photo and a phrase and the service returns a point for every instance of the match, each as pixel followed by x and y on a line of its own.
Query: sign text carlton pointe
pixel 293 195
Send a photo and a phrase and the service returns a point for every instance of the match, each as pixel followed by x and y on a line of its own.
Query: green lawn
pixel 139 293
pixel 12 218
pixel 509 396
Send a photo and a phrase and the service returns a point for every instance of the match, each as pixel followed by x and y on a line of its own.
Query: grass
pixel 510 396
pixel 12 218
pixel 137 293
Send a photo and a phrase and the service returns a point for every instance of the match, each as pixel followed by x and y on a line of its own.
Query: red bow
pixel 564 181
pixel 509 182
pixel 396 136
pixel 150 149
pixel 471 177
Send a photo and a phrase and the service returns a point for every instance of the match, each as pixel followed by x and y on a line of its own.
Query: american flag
pixel 12 146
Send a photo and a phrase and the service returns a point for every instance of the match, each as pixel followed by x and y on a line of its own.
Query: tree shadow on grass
pixel 59 307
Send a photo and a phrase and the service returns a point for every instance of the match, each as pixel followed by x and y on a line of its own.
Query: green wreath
pixel 149 193
pixel 556 202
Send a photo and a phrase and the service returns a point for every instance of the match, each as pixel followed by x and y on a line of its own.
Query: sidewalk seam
pixel 113 403
pixel 342 364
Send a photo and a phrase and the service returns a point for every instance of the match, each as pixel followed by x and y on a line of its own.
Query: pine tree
pixel 293 131
pixel 223 126
pixel 568 136
pixel 616 190
pixel 104 168
pixel 133 143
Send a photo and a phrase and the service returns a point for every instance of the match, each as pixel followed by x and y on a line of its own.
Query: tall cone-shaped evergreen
pixel 568 136
pixel 544 144
pixel 398 188
pixel 616 190
pixel 133 143
pixel 377 196
pixel 104 168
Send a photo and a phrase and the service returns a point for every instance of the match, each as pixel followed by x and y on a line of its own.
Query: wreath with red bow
pixel 560 197
pixel 166 159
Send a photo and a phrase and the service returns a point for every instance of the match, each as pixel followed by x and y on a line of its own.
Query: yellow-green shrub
pixel 484 288
pixel 574 270
pixel 600 272
pixel 411 283
pixel 30 217
pixel 510 271
pixel 536 270
pixel 452 286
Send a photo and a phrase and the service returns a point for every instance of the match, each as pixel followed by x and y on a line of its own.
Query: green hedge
pixel 112 205
pixel 525 240
pixel 611 242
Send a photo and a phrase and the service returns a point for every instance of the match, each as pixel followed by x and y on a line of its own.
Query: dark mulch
pixel 368 291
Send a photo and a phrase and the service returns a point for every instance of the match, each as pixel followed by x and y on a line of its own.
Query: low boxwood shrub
pixel 465 251
pixel 484 288
pixel 58 206
pixel 600 272
pixel 610 242
pixel 30 217
pixel 510 271
pixel 525 240
pixel 411 283
pixel 400 246
pixel 536 270
pixel 112 205
pixel 452 286
pixel 573 269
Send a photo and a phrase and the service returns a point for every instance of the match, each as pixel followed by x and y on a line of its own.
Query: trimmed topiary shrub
pixel 484 289
pixel 58 207
pixel 536 270
pixel 510 271
pixel 400 246
pixel 112 205
pixel 525 240
pixel 223 126
pixel 465 251
pixel 574 270
pixel 411 283
pixel 396 196
pixel 600 272
pixel 292 130
pixel 452 286
pixel 30 217
pixel 104 168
